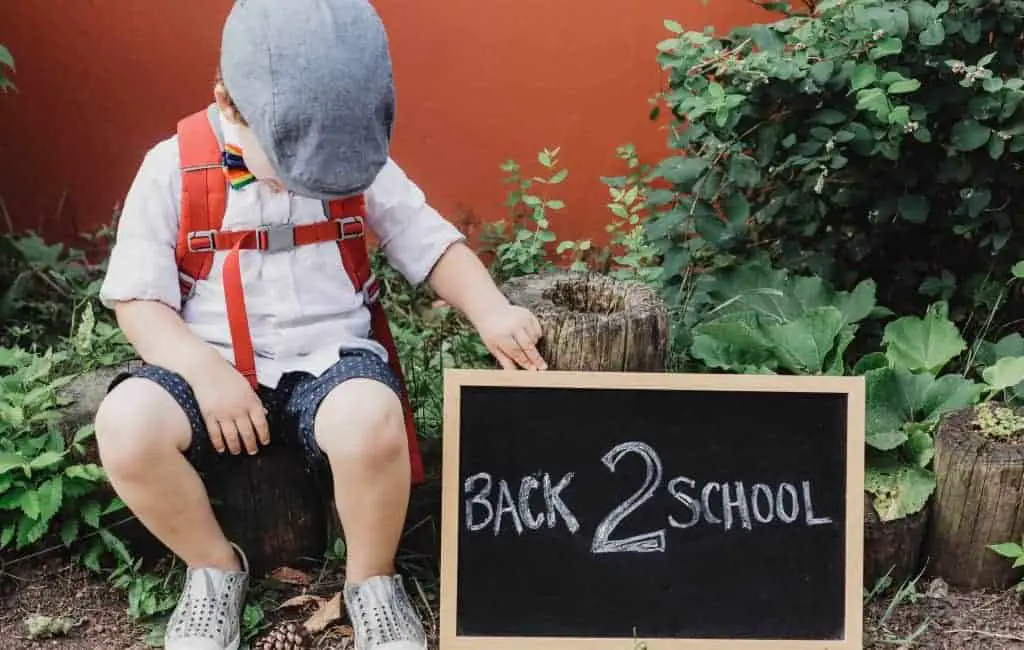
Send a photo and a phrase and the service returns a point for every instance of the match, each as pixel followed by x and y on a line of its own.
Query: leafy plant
pixel 6 66
pixel 852 143
pixel 1013 551
pixel 765 320
pixel 526 249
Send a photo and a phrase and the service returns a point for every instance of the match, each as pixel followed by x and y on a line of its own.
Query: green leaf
pixel 69 531
pixel 1018 270
pixel 6 58
pixel 9 461
pixel 90 513
pixel 886 47
pixel 903 87
pixel 7 534
pixel 51 497
pixel 914 208
pixel 969 134
pixel 803 345
pixel 863 76
pixel 30 531
pixel 933 35
pixel 1005 373
pixel 1008 549
pixel 872 361
pixel 682 171
pixel 30 504
pixel 737 208
pixel 899 491
pixel 896 397
pixel 926 344
pixel 822 71
pixel 45 460
pixel 919 448
pixel 674 27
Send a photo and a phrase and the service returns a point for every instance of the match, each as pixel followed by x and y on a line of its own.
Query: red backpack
pixel 204 190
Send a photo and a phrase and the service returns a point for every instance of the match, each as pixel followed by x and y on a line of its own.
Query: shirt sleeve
pixel 413 235
pixel 142 263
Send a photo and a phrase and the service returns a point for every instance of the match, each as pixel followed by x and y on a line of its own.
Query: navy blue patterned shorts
pixel 291 407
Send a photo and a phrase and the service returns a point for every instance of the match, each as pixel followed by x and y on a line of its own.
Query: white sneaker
pixel 209 613
pixel 383 617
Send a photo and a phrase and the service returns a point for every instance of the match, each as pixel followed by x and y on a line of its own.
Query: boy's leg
pixel 143 433
pixel 352 415
pixel 144 428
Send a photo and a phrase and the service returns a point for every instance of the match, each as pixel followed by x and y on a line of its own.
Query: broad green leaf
pixel 9 461
pixel 899 491
pixel 822 71
pixel 927 343
pixel 863 76
pixel 737 208
pixel 886 47
pixel 682 171
pixel 871 361
pixel 30 531
pixel 1005 373
pixel 803 345
pixel 69 531
pixel 919 448
pixel 896 397
pixel 969 134
pixel 903 86
pixel 933 35
pixel 30 504
pixel 6 58
pixel 1018 270
pixel 674 27
pixel 51 496
pixel 914 208
pixel 116 546
pixel 90 513
pixel 732 342
pixel 7 534
pixel 1008 549
pixel 45 460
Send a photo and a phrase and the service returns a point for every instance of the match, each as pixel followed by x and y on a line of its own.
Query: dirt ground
pixel 932 616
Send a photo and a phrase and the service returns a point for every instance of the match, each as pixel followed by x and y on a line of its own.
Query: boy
pixel 304 105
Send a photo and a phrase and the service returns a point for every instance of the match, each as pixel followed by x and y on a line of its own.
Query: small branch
pixel 993 635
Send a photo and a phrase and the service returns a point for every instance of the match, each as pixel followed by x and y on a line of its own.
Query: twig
pixel 993 635
pixel 7 216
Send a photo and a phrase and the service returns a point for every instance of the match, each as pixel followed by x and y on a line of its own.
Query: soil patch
pixel 935 617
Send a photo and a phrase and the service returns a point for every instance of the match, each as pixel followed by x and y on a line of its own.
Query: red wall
pixel 478 82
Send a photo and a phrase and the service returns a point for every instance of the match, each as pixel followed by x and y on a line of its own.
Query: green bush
pixel 874 139
pixel 6 63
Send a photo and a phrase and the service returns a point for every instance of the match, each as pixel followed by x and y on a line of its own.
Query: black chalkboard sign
pixel 615 510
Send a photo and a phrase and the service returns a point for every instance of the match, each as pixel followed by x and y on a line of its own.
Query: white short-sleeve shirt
pixel 301 305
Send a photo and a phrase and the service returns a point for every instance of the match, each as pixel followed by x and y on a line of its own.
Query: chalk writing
pixel 730 505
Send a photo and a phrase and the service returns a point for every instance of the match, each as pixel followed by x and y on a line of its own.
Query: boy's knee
pixel 362 421
pixel 136 424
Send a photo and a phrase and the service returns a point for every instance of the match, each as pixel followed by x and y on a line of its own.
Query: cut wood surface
pixel 979 501
pixel 594 322
pixel 892 548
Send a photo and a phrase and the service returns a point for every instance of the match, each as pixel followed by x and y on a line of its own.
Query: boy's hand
pixel 511 334
pixel 233 412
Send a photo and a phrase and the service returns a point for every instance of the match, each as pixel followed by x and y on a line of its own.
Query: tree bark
pixel 892 548
pixel 979 501
pixel 595 323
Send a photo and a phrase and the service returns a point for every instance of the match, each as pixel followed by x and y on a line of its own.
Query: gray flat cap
pixel 313 79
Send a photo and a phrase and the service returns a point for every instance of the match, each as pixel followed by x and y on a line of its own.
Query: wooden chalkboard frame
pixel 456 379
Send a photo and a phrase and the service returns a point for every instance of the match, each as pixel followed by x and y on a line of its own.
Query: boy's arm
pixel 509 332
pixel 425 247
pixel 141 286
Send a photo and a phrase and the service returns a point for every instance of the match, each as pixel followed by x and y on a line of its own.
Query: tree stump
pixel 979 501
pixel 892 548
pixel 595 323
pixel 268 504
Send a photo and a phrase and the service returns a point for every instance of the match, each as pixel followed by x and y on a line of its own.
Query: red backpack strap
pixel 351 214
pixel 203 195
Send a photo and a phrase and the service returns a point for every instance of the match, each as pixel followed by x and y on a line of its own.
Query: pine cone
pixel 286 636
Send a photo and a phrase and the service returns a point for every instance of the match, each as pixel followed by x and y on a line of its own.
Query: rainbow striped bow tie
pixel 237 173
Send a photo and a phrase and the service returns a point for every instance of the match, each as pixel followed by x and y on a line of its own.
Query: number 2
pixel 645 542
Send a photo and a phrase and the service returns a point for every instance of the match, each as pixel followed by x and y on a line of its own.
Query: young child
pixel 305 106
